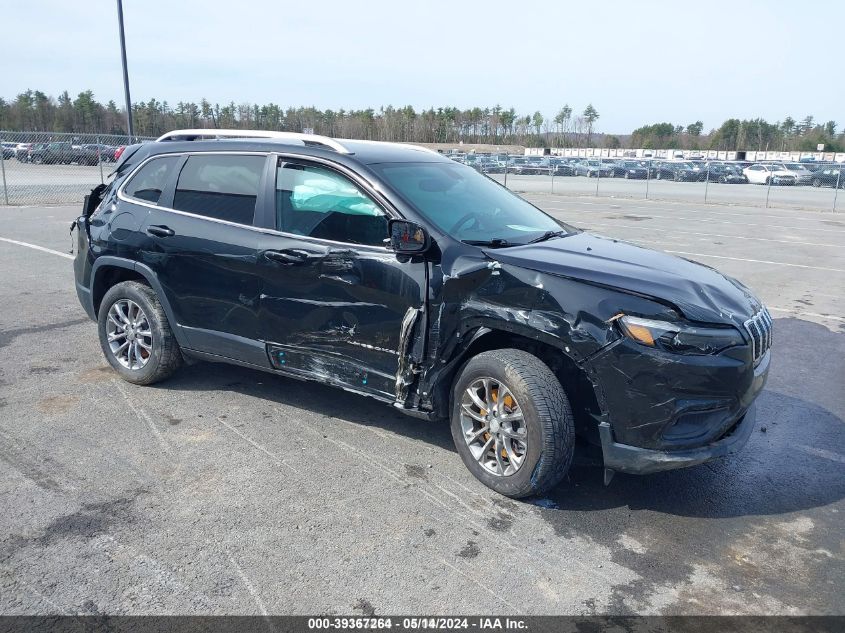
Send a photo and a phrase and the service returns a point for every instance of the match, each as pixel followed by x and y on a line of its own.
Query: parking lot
pixel 225 490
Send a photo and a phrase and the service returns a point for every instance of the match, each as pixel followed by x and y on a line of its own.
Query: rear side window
pixel 151 179
pixel 321 203
pixel 220 186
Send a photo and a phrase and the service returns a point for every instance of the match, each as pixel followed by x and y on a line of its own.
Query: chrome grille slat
pixel 759 329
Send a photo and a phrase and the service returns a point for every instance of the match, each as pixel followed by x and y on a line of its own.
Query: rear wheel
pixel 135 336
pixel 817 182
pixel 511 423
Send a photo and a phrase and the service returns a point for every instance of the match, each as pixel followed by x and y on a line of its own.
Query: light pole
pixel 125 72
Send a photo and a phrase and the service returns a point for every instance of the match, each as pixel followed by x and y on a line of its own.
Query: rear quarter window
pixel 148 182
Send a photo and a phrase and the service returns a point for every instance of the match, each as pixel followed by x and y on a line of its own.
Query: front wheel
pixel 512 423
pixel 135 336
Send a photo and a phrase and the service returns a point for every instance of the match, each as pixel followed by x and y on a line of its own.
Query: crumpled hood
pixel 701 293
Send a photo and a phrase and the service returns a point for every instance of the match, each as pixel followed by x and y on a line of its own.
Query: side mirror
pixel 407 237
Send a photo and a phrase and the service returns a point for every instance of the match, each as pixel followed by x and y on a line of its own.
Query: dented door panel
pixel 340 312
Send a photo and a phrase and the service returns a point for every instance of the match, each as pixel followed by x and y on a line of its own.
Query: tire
pixel 164 357
pixel 657 176
pixel 817 182
pixel 627 175
pixel 546 422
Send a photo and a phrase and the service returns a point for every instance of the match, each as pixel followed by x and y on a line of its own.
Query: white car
pixel 761 174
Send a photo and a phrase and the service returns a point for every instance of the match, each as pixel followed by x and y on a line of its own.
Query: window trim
pixel 167 183
pixel 262 212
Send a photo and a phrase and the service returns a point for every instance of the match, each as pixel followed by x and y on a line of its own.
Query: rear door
pixel 203 246
pixel 335 301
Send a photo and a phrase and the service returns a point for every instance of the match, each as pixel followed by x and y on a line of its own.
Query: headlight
pixel 678 337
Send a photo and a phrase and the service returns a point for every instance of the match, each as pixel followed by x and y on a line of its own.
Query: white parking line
pixel 648 229
pixel 758 261
pixel 36 247
pixel 650 205
pixel 704 218
pixel 809 314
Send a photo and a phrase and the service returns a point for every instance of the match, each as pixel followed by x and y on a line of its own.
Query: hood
pixel 700 293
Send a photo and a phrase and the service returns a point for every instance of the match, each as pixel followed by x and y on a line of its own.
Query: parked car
pixel 561 167
pixel 393 272
pixel 24 155
pixel 22 149
pixel 536 167
pixel 592 169
pixel 61 152
pixel 8 150
pixel 803 176
pixel 105 152
pixel 763 174
pixel 628 169
pixel 679 171
pixel 724 173
pixel 829 176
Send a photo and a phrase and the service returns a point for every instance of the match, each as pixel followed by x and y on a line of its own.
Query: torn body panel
pixel 343 307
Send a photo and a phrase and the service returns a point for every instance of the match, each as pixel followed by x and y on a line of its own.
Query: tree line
pixel 37 111
pixel 733 134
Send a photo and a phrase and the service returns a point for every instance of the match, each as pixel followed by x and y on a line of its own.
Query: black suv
pixel 394 272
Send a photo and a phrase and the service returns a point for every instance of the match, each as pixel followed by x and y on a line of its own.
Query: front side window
pixel 466 205
pixel 149 181
pixel 220 186
pixel 318 202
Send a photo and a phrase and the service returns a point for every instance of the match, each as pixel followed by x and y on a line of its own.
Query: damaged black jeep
pixel 391 271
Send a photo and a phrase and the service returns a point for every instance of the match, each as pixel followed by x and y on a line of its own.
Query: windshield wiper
pixel 547 236
pixel 495 242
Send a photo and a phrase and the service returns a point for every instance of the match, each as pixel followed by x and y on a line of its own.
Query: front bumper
pixel 641 461
pixel 663 410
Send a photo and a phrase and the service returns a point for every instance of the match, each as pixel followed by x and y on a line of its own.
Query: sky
pixel 637 62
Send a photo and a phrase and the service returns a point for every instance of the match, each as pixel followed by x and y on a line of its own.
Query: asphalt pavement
pixel 226 490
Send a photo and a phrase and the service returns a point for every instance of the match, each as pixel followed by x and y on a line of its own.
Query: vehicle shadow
pixel 312 396
pixel 797 463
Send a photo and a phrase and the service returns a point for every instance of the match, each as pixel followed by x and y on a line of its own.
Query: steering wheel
pixel 472 215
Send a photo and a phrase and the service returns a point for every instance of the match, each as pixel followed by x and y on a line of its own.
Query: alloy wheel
pixel 130 336
pixel 493 427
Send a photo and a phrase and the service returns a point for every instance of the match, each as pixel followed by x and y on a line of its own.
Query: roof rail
pixel 207 133
pixel 406 145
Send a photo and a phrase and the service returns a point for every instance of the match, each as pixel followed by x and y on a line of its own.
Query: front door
pixel 335 301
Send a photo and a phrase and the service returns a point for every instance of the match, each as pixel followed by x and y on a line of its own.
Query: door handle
pixel 287 257
pixel 160 231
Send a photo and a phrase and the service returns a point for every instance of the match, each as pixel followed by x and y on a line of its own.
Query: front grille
pixel 759 328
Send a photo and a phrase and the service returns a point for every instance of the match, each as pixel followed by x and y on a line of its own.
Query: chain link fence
pixel 789 182
pixel 56 168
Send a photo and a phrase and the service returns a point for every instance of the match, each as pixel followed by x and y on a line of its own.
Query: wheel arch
pixel 109 271
pixel 584 396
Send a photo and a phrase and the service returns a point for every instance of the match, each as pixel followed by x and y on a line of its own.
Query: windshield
pixel 465 204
